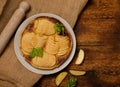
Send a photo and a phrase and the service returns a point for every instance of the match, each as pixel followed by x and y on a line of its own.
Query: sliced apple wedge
pixel 60 78
pixel 77 73
pixel 80 57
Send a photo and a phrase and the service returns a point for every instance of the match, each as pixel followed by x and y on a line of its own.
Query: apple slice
pixel 60 78
pixel 80 57
pixel 77 73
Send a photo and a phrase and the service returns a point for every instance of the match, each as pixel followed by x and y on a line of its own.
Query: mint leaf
pixel 71 82
pixel 36 52
pixel 32 53
pixel 59 28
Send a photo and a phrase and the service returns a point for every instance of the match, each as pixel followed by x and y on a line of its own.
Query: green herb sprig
pixel 59 28
pixel 71 82
pixel 36 52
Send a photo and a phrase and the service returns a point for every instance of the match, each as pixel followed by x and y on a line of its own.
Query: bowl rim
pixel 29 66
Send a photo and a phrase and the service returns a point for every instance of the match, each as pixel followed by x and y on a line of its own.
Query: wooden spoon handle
pixel 13 24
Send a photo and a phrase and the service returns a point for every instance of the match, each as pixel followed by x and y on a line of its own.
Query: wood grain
pixel 98 33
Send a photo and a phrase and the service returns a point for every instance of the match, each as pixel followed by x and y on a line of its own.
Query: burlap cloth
pixel 2 4
pixel 12 73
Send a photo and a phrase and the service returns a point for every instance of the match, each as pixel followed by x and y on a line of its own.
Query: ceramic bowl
pixel 22 59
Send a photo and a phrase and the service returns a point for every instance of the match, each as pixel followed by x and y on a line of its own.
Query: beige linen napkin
pixel 12 73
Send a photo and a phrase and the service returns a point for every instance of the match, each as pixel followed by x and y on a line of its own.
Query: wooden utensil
pixel 13 24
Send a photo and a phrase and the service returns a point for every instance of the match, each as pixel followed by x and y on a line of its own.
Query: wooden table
pixel 98 34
